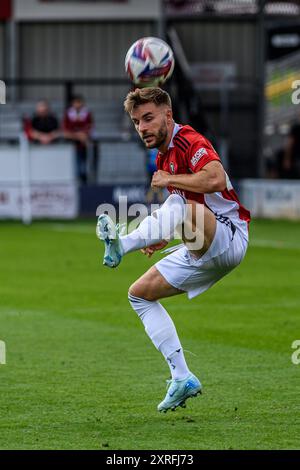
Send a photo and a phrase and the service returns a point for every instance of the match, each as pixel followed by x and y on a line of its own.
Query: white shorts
pixel 195 276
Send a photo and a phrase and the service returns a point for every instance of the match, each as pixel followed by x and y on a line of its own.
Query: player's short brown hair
pixel 146 95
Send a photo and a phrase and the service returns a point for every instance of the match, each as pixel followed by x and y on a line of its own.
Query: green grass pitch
pixel 81 373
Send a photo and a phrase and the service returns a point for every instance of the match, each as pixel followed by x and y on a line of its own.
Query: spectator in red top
pixel 77 127
pixel 43 126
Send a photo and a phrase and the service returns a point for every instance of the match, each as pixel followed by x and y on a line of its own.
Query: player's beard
pixel 159 138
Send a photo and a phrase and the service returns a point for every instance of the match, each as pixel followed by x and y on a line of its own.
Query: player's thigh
pixel 199 228
pixel 153 286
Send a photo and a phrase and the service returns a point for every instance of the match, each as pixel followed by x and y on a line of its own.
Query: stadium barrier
pixel 92 196
pixel 37 182
pixel 40 182
pixel 272 198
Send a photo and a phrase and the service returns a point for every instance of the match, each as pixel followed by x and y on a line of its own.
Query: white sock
pixel 156 227
pixel 162 332
pixel 178 366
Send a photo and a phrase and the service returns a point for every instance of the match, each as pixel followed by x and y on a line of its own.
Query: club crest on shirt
pixel 172 168
pixel 195 159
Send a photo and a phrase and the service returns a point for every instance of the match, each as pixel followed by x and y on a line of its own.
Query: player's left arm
pixel 210 178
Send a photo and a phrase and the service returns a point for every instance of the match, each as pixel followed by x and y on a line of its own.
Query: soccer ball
pixel 149 62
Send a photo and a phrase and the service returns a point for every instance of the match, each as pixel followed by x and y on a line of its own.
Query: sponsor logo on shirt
pixel 195 159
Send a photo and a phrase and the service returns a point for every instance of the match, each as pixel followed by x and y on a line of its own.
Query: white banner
pixel 49 201
pixel 272 198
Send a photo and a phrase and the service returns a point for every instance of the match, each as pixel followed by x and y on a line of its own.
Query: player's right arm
pixel 209 179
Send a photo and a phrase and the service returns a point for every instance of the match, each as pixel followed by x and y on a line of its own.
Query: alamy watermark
pixel 295 357
pixel 2 353
pixel 296 93
pixel 2 92
pixel 164 224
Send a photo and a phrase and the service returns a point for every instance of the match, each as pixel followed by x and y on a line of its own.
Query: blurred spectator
pixel 77 126
pixel 43 126
pixel 154 195
pixel 289 166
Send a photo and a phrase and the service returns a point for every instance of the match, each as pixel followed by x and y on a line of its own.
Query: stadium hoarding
pixel 272 199
pixel 92 196
pixel 37 182
pixel 47 201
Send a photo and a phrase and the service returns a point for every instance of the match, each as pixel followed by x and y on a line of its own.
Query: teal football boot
pixel 179 391
pixel 107 231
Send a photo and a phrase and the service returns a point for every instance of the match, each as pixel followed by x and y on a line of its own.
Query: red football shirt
pixel 189 152
pixel 76 121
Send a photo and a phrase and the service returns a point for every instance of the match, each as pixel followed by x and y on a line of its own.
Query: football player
pixel 202 206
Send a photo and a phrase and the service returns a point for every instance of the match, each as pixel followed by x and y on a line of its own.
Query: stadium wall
pixel 118 10
pixel 230 41
pixel 82 50
pixel 72 50
pixel 221 41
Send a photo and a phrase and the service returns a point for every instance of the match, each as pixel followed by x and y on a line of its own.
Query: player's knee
pixel 141 291
pixel 132 291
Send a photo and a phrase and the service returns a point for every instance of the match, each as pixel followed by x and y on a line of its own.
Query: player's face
pixel 152 124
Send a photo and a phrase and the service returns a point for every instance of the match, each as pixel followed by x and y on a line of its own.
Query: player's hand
pixel 149 250
pixel 160 179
